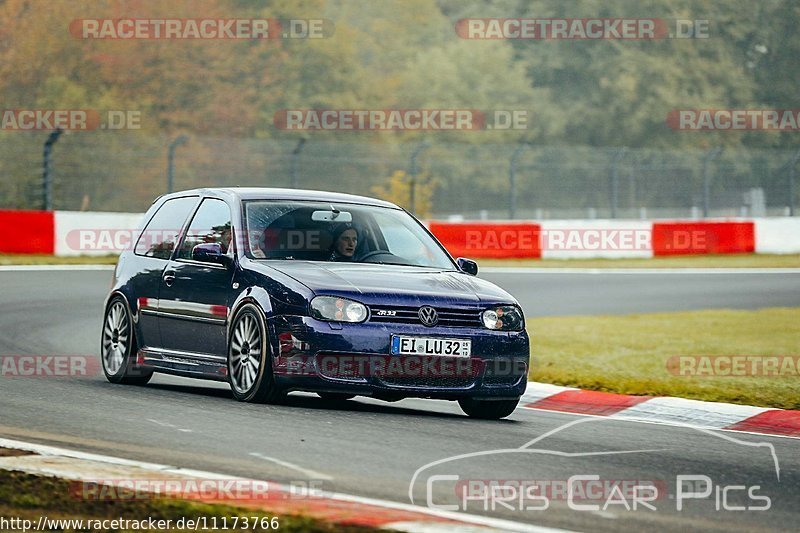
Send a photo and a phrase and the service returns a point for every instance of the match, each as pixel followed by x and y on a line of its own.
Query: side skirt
pixel 185 364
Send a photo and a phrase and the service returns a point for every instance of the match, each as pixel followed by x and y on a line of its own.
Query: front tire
pixel 488 409
pixel 249 359
pixel 118 346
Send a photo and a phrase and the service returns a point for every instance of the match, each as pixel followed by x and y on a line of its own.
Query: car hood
pixel 393 284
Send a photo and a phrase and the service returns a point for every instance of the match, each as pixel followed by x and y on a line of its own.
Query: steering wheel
pixel 373 254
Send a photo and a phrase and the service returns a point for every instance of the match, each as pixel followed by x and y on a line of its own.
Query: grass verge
pixel 28 497
pixel 629 354
pixel 684 261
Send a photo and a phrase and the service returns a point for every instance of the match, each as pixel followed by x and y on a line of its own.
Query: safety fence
pixel 125 171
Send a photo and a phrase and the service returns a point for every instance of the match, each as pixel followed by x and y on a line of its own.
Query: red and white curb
pixel 663 410
pixel 343 509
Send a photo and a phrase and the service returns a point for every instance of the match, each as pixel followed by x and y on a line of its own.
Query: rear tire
pixel 488 409
pixel 118 346
pixel 250 360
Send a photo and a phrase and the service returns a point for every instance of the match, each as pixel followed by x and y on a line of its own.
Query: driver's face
pixel 347 242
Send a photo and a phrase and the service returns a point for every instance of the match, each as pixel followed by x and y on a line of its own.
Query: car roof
pixel 269 193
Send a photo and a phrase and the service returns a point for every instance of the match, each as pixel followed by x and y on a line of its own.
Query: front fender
pixel 256 295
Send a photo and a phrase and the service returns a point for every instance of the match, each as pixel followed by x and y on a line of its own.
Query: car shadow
pixel 354 405
pixel 307 401
pixel 192 389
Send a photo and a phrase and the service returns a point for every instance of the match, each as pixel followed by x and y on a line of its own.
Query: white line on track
pixel 168 425
pixel 428 404
pixel 460 518
pixel 312 474
pixel 46 268
pixel 726 271
pixel 613 418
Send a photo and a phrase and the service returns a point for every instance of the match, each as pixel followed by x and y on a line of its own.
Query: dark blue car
pixel 275 290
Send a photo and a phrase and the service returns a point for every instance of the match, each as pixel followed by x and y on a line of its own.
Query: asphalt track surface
pixel 640 291
pixel 370 448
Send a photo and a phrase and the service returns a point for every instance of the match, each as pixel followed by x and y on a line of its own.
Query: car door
pixel 151 254
pixel 193 300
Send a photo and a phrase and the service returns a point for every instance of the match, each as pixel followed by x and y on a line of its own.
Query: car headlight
pixel 338 309
pixel 503 317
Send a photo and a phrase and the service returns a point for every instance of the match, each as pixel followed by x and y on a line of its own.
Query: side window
pixel 211 224
pixel 161 234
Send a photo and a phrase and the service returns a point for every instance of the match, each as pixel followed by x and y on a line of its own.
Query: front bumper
pixel 314 355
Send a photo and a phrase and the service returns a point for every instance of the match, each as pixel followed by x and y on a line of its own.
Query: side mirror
pixel 467 265
pixel 209 253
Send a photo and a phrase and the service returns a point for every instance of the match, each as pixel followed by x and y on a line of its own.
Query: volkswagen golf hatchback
pixel 275 290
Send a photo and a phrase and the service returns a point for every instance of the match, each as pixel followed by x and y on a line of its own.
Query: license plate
pixel 402 345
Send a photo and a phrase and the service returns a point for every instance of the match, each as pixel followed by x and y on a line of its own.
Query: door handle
pixel 169 278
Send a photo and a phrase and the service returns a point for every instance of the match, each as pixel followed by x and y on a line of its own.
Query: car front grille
pixel 448 317
pixel 340 372
pixel 429 372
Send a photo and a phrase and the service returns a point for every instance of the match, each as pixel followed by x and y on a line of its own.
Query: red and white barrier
pixel 68 233
pixel 94 233
pixel 706 237
pixel 777 235
pixel 583 239
pixel 504 240
pixel 27 232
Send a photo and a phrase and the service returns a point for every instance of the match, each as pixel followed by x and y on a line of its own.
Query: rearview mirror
pixel 467 266
pixel 210 252
pixel 332 216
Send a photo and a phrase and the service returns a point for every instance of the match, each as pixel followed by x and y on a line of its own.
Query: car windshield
pixel 322 231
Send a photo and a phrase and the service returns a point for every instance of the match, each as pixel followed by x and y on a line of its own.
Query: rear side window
pixel 161 233
pixel 211 224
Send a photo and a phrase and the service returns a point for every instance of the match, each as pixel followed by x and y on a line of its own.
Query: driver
pixel 345 240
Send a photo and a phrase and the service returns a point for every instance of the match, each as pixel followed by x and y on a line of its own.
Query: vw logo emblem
pixel 428 315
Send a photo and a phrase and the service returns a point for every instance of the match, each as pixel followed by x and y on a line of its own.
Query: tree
pixel 397 189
